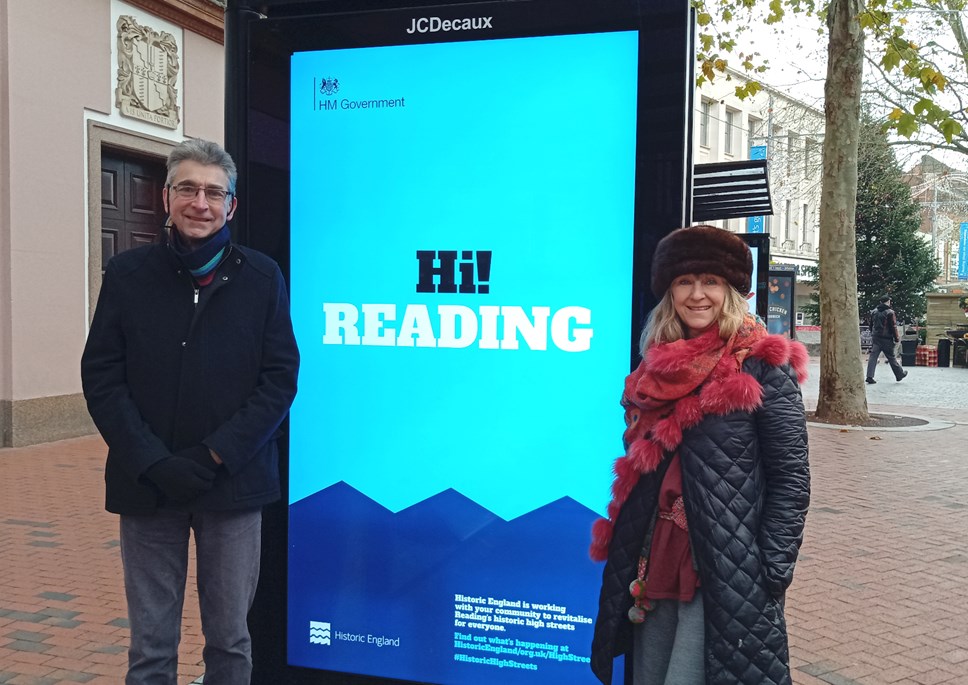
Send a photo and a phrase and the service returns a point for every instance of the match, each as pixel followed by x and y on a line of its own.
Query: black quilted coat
pixel 746 486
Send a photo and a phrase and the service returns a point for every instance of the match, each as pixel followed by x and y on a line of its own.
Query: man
pixel 884 337
pixel 189 370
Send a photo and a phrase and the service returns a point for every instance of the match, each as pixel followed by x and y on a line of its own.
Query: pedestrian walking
pixel 884 338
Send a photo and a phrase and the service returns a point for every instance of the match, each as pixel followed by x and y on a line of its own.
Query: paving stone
pixel 59 613
pixel 27 635
pixel 22 616
pixel 27 646
pixel 837 679
pixel 74 676
pixel 32 524
pixel 62 623
pixel 819 668
pixel 110 649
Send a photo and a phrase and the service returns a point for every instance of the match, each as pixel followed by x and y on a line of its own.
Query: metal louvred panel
pixel 727 190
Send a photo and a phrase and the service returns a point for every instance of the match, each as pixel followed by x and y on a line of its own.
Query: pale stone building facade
pixel 93 95
pixel 788 133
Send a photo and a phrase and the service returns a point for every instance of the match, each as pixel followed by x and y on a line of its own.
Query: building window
pixel 806 227
pixel 730 142
pixel 756 142
pixel 791 145
pixel 704 123
pixel 778 151
pixel 809 232
pixel 810 160
pixel 788 220
pixel 755 131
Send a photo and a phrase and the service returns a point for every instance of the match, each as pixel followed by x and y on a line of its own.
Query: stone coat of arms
pixel 147 73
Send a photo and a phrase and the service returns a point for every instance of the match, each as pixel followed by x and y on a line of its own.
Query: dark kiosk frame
pixel 260 37
pixel 761 241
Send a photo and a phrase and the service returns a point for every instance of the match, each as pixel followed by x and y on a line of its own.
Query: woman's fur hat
pixel 702 250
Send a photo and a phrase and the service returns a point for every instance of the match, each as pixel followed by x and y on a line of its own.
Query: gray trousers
pixel 154 553
pixel 885 345
pixel 669 646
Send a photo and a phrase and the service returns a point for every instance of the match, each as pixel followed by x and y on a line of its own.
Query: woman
pixel 710 498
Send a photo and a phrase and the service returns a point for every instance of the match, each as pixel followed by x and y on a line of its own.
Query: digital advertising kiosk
pixel 464 198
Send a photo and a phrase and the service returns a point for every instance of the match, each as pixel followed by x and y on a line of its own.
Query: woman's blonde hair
pixel 664 325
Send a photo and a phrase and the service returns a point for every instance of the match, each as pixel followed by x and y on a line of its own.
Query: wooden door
pixel 132 213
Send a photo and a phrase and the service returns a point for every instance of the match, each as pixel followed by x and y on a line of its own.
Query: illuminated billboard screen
pixel 461 247
pixel 465 258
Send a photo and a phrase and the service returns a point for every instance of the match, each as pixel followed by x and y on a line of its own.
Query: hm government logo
pixel 319 633
pixel 328 86
pixel 324 97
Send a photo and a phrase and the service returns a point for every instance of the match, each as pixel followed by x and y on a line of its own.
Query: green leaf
pixel 922 106
pixel 950 128
pixel 907 125
pixel 891 59
pixel 927 77
pixel 703 19
pixel 776 12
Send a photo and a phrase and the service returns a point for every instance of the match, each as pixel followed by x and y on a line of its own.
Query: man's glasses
pixel 189 191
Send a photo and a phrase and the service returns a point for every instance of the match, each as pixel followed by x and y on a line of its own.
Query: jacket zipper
pixel 196 297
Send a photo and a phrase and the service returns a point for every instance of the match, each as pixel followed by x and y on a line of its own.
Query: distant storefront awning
pixel 727 190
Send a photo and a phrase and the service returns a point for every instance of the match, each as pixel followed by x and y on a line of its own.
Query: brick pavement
pixel 62 607
pixel 880 594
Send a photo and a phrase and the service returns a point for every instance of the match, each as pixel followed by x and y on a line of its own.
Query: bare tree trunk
pixel 842 395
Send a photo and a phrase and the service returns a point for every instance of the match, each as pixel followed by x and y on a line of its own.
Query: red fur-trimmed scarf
pixel 673 388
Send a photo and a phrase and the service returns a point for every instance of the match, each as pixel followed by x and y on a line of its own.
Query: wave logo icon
pixel 319 633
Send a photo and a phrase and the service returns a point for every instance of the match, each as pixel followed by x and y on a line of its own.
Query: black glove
pixel 180 480
pixel 199 454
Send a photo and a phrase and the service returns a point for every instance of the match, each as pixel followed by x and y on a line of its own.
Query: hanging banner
pixel 963 252
pixel 756 224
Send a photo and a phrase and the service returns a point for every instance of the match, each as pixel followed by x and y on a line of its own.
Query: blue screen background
pixel 521 147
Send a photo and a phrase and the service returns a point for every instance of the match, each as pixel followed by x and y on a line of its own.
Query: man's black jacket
pixel 168 366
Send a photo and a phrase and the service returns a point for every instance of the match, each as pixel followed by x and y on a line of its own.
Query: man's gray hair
pixel 203 152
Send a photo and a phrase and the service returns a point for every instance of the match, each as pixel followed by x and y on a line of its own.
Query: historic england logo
pixel 319 633
pixel 147 73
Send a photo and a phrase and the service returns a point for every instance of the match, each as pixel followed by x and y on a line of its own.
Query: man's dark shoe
pixel 870 380
pixel 903 376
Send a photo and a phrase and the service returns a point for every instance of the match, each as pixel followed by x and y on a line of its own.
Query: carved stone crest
pixel 147 73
